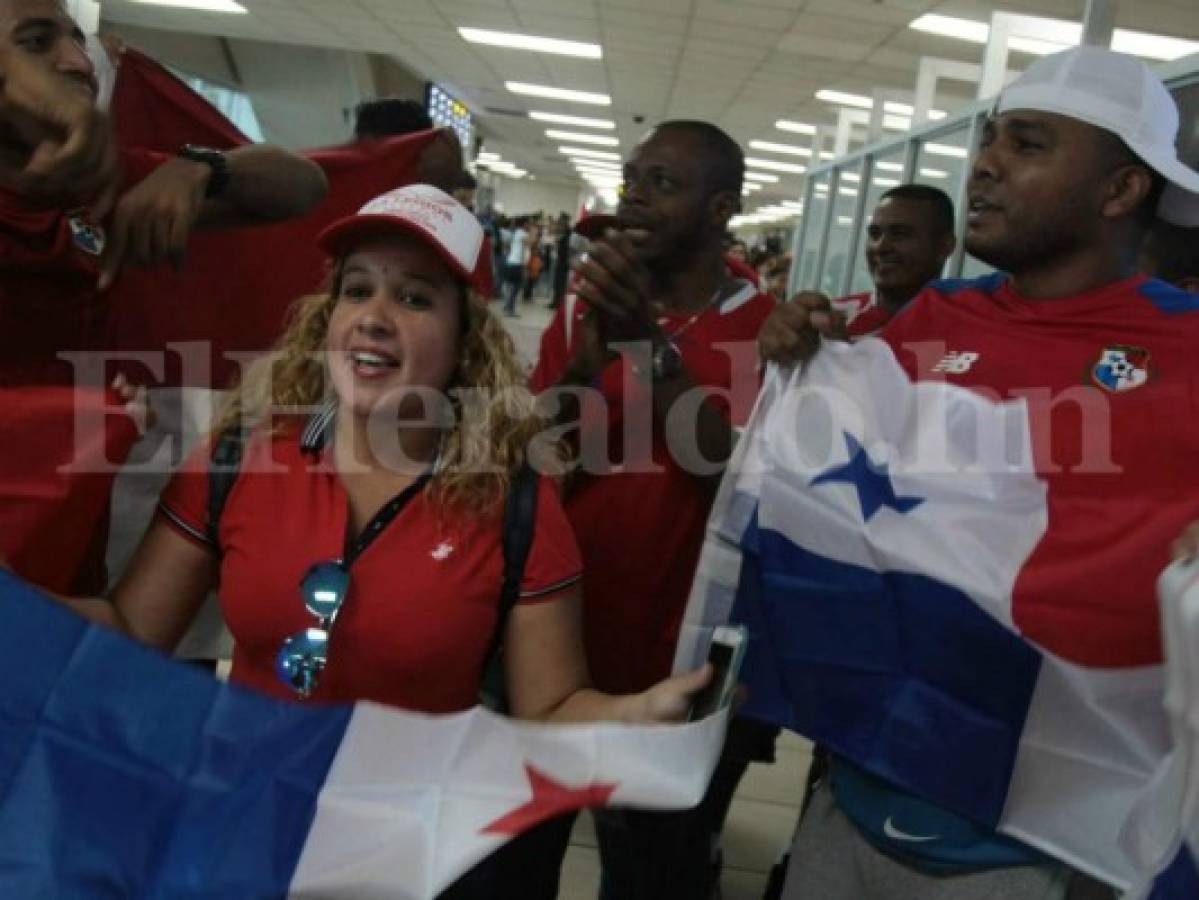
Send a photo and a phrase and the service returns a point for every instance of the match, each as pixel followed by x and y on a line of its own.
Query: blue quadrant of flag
pixel 123 774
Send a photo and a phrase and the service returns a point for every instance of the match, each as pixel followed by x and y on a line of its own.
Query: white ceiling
pixel 741 64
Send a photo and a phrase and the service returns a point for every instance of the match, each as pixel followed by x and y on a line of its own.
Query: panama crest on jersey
pixel 1121 368
pixel 88 236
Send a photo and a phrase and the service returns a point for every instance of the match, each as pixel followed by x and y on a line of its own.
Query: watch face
pixel 667 360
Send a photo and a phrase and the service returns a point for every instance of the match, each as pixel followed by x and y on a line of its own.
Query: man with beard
pixel 1073 168
pixel 657 291
pixel 52 137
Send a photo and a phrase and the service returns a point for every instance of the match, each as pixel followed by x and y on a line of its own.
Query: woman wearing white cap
pixel 359 552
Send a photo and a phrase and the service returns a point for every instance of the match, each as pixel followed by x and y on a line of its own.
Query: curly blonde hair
pixel 488 441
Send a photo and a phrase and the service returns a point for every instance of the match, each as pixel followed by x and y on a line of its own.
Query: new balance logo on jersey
pixel 956 362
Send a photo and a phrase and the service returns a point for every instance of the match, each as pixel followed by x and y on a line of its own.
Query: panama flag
pixel 870 534
pixel 1162 834
pixel 124 774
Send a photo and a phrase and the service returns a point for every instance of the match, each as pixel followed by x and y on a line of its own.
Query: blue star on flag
pixel 871 480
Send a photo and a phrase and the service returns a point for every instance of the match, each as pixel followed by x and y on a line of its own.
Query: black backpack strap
pixel 520 520
pixel 222 474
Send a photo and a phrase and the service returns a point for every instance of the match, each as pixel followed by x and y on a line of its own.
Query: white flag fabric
pixel 870 534
pixel 1161 835
pixel 125 774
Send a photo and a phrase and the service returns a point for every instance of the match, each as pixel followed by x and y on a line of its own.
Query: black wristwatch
pixel 218 178
pixel 666 361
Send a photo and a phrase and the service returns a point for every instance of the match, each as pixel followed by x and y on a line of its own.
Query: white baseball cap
pixel 1120 94
pixel 421 209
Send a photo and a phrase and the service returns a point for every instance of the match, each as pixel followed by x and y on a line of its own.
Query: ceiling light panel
pixel 576 121
pixel 531 43
pixel 602 140
pixel 589 154
pixel 218 6
pixel 772 147
pixel 555 93
pixel 796 127
pixel 773 165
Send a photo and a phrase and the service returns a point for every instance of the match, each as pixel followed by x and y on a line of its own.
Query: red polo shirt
pixel 415 627
pixel 640 529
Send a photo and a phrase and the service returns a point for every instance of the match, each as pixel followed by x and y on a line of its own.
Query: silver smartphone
pixel 725 653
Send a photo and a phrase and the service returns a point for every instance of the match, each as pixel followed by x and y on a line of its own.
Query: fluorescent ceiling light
pixel 797 127
pixel 1152 46
pixel 848 192
pixel 553 93
pixel 761 176
pixel 531 42
pixel 576 121
pixel 886 182
pixel 221 6
pixel 951 26
pixel 750 186
pixel 861 101
pixel 486 156
pixel 850 176
pixel 589 154
pixel 934 173
pixel 1057 34
pixel 771 147
pixel 889 166
pixel 772 165
pixel 946 150
pixel 582 163
pixel 844 99
pixel 601 139
pixel 792 204
pixel 844 220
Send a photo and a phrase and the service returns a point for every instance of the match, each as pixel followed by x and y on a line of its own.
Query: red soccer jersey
pixel 640 531
pixel 864 314
pixel 1110 377
pixel 414 629
pixel 49 262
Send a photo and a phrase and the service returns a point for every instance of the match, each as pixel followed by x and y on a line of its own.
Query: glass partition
pixel 886 172
pixel 843 201
pixel 943 161
pixel 811 233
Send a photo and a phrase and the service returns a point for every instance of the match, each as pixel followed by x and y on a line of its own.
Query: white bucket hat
pixel 1120 94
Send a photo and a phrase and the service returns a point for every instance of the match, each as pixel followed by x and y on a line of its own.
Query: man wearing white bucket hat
pixel 1075 165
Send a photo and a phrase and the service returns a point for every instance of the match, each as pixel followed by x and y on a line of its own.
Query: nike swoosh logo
pixel 895 834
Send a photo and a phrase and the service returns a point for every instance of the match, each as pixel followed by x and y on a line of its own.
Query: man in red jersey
pixel 665 316
pixel 1074 166
pixel 909 238
pixel 60 255
pixel 63 242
